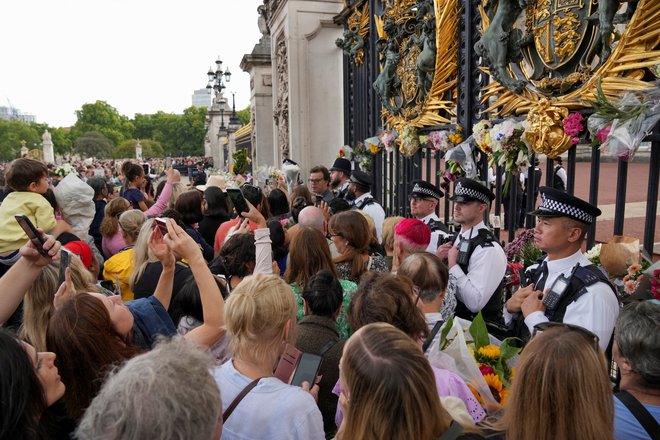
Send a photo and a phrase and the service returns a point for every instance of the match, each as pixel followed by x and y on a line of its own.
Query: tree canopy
pixel 162 134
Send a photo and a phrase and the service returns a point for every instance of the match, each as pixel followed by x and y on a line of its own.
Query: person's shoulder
pixel 348 286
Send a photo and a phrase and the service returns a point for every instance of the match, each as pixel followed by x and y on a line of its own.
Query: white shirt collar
pixel 567 263
pixel 431 216
pixel 473 230
pixel 362 197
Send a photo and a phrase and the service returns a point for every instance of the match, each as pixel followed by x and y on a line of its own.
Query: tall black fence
pixel 393 172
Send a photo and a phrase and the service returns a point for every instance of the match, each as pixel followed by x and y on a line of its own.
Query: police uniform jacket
pixel 437 234
pixel 486 270
pixel 596 310
pixel 373 209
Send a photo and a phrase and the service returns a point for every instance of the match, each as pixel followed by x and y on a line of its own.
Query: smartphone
pixel 161 224
pixel 307 370
pixel 145 167
pixel 65 261
pixel 236 196
pixel 286 367
pixel 37 240
pixel 168 163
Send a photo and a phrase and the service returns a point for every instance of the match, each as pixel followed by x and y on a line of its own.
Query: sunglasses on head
pixel 541 327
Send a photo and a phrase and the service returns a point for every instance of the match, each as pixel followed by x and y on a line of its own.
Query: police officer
pixel 359 190
pixel 476 261
pixel 340 173
pixel 424 199
pixel 576 291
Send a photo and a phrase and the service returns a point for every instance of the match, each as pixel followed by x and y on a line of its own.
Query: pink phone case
pixel 288 363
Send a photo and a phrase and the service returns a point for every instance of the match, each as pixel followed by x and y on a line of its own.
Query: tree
pixel 149 149
pixel 105 119
pixel 244 115
pixel 12 132
pixel 93 144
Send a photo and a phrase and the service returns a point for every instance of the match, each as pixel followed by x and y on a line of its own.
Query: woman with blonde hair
pixel 260 316
pixel 350 233
pixel 120 266
pixel 38 305
pixel 147 268
pixel 561 388
pixel 396 403
pixel 308 254
pixel 388 242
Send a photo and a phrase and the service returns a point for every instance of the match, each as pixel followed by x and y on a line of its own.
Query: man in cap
pixel 359 191
pixel 565 286
pixel 340 173
pixel 424 199
pixel 476 261
pixel 558 174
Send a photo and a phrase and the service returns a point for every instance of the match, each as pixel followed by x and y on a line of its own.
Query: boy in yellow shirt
pixel 29 180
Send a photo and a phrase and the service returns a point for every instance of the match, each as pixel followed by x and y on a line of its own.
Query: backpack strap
pixel 642 415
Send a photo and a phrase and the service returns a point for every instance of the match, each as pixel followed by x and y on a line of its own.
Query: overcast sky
pixel 140 56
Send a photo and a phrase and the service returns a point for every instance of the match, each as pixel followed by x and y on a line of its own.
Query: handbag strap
pixel 429 340
pixel 454 431
pixel 642 415
pixel 232 406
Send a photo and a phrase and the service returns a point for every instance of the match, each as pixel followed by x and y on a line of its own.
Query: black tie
pixel 540 285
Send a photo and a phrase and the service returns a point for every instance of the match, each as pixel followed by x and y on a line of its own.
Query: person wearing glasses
pixel 319 184
pixel 424 199
pixel 359 192
pixel 565 286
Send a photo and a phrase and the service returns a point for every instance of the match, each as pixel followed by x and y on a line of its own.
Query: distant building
pixel 202 98
pixel 14 113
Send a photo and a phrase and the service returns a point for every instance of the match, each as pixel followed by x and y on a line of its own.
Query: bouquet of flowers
pixel 64 170
pixel 631 279
pixel 573 127
pixel 509 146
pixel 241 161
pixel 523 249
pixel 481 135
pixel 409 141
pixel 593 254
pixel 387 139
pixel 485 363
pixel 654 276
pixel 346 152
pixel 444 140
pixel 625 124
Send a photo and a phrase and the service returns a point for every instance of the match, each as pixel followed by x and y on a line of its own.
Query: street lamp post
pixel 217 80
pixel 232 127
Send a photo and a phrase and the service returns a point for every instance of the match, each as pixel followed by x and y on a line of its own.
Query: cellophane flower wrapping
pixel 463 342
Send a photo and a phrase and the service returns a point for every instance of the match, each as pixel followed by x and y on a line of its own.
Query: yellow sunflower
pixel 490 352
pixel 495 385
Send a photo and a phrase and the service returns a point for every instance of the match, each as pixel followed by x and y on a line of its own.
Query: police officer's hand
pixel 452 256
pixel 516 300
pixel 533 303
pixel 443 250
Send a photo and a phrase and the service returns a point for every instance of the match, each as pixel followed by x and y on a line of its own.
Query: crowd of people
pixel 307 313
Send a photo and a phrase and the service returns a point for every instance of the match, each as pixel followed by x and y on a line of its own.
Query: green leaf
pixel 508 351
pixel 479 332
pixel 445 332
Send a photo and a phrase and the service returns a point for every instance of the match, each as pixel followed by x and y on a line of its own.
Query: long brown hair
pixel 110 223
pixel 309 252
pixel 561 389
pixel 354 228
pixel 38 304
pixel 82 336
pixel 401 401
pixel 383 297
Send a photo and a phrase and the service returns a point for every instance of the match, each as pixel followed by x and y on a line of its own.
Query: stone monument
pixel 47 142
pixel 24 148
pixel 138 150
